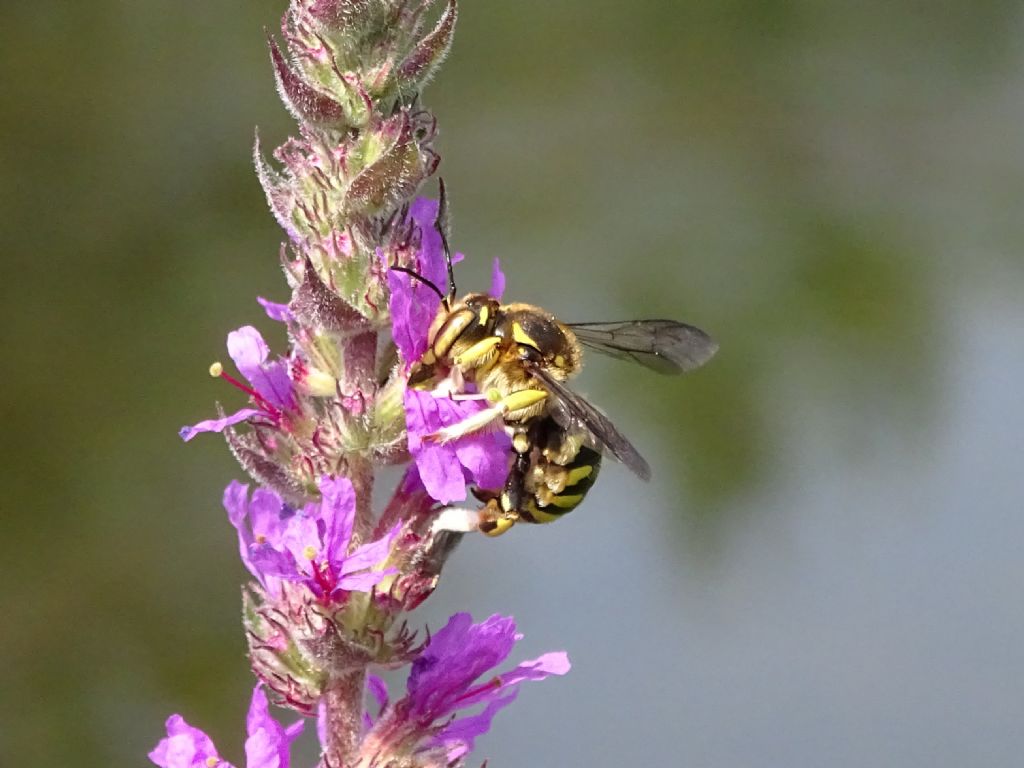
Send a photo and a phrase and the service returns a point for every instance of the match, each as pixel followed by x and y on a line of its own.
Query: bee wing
pixel 577 411
pixel 665 346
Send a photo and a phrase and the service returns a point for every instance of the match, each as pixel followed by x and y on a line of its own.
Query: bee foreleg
pixel 460 396
pixel 476 422
pixel 510 403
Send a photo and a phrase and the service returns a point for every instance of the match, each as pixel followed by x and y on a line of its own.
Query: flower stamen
pixel 217 372
pixel 494 682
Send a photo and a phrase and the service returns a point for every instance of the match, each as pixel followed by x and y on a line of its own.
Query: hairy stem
pixel 360 472
pixel 342 713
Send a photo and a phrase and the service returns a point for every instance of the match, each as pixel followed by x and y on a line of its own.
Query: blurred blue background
pixel 826 569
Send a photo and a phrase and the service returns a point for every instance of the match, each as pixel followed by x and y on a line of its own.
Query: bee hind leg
pixel 493 521
pixel 503 511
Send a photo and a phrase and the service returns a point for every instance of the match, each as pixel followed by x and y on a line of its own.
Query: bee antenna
pixel 414 274
pixel 441 224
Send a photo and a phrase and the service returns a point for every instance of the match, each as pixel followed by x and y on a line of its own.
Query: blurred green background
pixel 827 567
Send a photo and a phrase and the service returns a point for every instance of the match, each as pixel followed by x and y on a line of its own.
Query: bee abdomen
pixel 560 489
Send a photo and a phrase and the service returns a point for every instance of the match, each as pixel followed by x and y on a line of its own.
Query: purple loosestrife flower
pixel 446 679
pixel 443 467
pixel 331 578
pixel 267 745
pixel 309 545
pixel 483 456
pixel 413 304
pixel 269 385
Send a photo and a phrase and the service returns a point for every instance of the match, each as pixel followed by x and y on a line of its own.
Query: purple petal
pixel 362 582
pixel 455 657
pixel 459 736
pixel 438 463
pixel 321 722
pixel 259 711
pixel 263 560
pixel 236 502
pixel 369 555
pixel 486 453
pixel 268 743
pixel 275 384
pixel 555 663
pixel 249 351
pixel 302 536
pixel 497 280
pixel 410 484
pixel 413 307
pixel 184 747
pixel 247 348
pixel 276 311
pixel 268 516
pixel 337 513
pixel 379 690
pixel 430 261
pixel 217 425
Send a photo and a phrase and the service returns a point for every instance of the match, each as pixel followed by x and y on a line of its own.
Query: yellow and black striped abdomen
pixel 560 489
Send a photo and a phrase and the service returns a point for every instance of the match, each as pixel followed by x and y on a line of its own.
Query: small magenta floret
pixel 310 544
pixel 446 679
pixel 267 745
pixel 269 388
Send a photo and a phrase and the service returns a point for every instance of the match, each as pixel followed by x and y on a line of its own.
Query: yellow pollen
pixel 211 762
pixel 261 539
pixel 309 552
pixel 493 395
pixel 216 369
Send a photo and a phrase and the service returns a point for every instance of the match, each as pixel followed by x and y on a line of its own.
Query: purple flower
pixel 443 466
pixel 483 455
pixel 267 745
pixel 276 311
pixel 414 305
pixel 497 280
pixel 445 679
pixel 309 545
pixel 270 387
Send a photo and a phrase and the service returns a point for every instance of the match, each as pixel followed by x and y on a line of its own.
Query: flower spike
pixel 369 273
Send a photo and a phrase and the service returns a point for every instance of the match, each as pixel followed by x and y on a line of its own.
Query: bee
pixel 518 357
